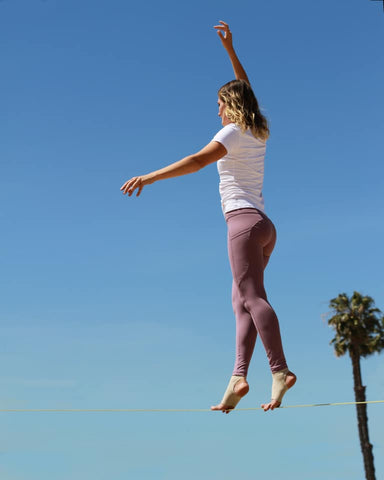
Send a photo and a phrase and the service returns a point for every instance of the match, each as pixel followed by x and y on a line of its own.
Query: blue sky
pixel 115 302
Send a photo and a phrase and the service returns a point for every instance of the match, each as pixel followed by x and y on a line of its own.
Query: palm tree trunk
pixel 362 417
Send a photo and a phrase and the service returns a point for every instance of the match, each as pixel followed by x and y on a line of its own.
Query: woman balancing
pixel 239 149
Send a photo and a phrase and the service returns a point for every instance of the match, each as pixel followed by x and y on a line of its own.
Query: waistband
pixel 240 211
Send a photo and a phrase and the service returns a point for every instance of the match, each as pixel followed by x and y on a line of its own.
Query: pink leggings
pixel 251 238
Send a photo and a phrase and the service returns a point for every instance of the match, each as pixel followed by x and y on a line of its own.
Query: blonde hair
pixel 243 109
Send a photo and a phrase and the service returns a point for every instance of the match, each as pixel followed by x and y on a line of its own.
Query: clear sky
pixel 116 302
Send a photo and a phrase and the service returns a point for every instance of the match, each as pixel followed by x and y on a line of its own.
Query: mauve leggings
pixel 251 239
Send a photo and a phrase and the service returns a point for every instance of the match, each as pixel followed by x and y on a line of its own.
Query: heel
pixel 280 384
pixel 232 398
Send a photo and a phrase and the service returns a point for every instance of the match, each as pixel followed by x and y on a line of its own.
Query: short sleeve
pixel 228 136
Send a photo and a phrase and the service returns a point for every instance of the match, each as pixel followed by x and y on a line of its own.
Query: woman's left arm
pixel 190 164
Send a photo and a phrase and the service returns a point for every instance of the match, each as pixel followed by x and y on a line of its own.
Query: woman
pixel 239 149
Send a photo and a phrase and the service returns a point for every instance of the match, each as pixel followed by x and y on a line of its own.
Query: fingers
pixel 224 38
pixel 221 35
pixel 131 185
pixel 224 27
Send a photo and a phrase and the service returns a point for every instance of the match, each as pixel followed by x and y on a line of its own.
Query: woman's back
pixel 241 170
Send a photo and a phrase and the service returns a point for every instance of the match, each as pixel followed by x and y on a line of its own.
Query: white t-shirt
pixel 241 170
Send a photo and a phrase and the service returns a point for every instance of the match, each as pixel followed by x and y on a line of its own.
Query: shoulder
pixel 231 128
pixel 228 136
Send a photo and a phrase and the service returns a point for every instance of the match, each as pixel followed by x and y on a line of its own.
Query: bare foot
pixel 290 380
pixel 241 389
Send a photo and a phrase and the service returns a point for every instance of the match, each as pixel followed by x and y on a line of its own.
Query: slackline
pixel 168 410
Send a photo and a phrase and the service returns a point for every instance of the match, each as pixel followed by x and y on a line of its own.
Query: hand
pixel 134 183
pixel 226 39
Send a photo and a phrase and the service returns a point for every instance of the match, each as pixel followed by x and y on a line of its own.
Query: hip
pixel 243 220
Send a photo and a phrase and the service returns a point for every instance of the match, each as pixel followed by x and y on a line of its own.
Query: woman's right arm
pixel 190 164
pixel 226 40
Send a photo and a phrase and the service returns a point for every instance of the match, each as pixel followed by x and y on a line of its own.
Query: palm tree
pixel 360 332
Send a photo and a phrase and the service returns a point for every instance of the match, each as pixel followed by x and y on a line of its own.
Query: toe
pixel 221 408
pixel 266 406
pixel 275 404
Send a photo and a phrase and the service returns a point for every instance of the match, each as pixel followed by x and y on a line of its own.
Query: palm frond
pixel 358 324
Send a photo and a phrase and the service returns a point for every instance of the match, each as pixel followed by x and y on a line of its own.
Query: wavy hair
pixel 243 109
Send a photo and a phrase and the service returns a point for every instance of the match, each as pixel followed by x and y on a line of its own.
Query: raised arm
pixel 190 164
pixel 226 39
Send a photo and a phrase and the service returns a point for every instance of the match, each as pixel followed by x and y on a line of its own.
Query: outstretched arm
pixel 226 39
pixel 190 164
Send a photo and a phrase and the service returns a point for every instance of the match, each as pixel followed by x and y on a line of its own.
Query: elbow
pixel 198 164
